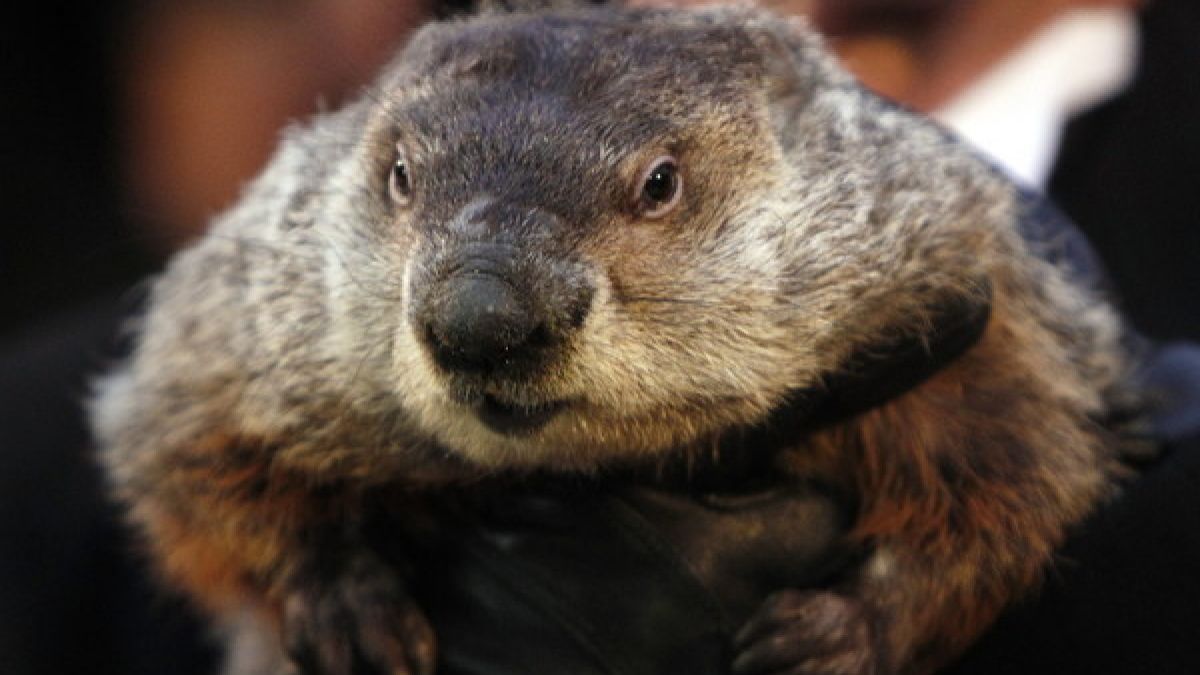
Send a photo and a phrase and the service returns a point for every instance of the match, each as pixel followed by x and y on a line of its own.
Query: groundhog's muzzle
pixel 497 312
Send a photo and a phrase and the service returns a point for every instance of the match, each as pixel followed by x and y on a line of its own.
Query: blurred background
pixel 125 125
pixel 130 123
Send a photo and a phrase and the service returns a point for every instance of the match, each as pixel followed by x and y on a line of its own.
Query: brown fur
pixel 976 471
pixel 253 512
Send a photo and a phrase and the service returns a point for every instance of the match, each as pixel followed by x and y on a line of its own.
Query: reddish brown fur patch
pixel 967 483
pixel 224 522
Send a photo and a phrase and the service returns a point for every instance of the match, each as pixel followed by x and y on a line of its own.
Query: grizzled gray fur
pixel 575 239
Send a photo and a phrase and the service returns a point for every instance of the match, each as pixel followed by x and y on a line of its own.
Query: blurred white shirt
pixel 1016 112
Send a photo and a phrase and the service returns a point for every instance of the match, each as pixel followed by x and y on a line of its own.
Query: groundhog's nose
pixel 482 325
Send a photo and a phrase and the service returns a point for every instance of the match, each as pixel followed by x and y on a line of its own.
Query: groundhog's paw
pixel 357 619
pixel 807 633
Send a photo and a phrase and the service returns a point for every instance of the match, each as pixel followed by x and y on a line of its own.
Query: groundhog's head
pixel 618 232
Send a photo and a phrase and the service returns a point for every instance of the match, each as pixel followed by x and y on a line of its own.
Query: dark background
pixel 65 234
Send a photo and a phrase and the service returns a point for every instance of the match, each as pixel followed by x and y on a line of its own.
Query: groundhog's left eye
pixel 399 182
pixel 659 188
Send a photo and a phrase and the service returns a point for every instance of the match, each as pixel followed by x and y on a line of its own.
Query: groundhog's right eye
pixel 399 183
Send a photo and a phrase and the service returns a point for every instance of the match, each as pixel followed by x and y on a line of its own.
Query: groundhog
pixel 576 241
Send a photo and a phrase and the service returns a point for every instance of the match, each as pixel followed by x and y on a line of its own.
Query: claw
pixel 807 633
pixel 360 616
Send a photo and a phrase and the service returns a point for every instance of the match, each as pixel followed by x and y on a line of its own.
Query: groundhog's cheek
pixel 638 273
pixel 680 349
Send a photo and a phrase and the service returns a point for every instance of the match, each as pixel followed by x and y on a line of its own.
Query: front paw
pixel 357 618
pixel 808 633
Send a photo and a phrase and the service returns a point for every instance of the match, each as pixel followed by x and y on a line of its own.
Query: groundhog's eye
pixel 659 187
pixel 399 184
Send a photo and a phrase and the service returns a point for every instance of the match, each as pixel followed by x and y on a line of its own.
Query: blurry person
pixel 125 144
pixel 1095 101
pixel 209 85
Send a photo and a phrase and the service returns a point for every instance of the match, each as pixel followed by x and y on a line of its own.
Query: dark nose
pixel 482 325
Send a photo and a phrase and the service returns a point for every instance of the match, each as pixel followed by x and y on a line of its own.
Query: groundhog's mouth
pixel 512 419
